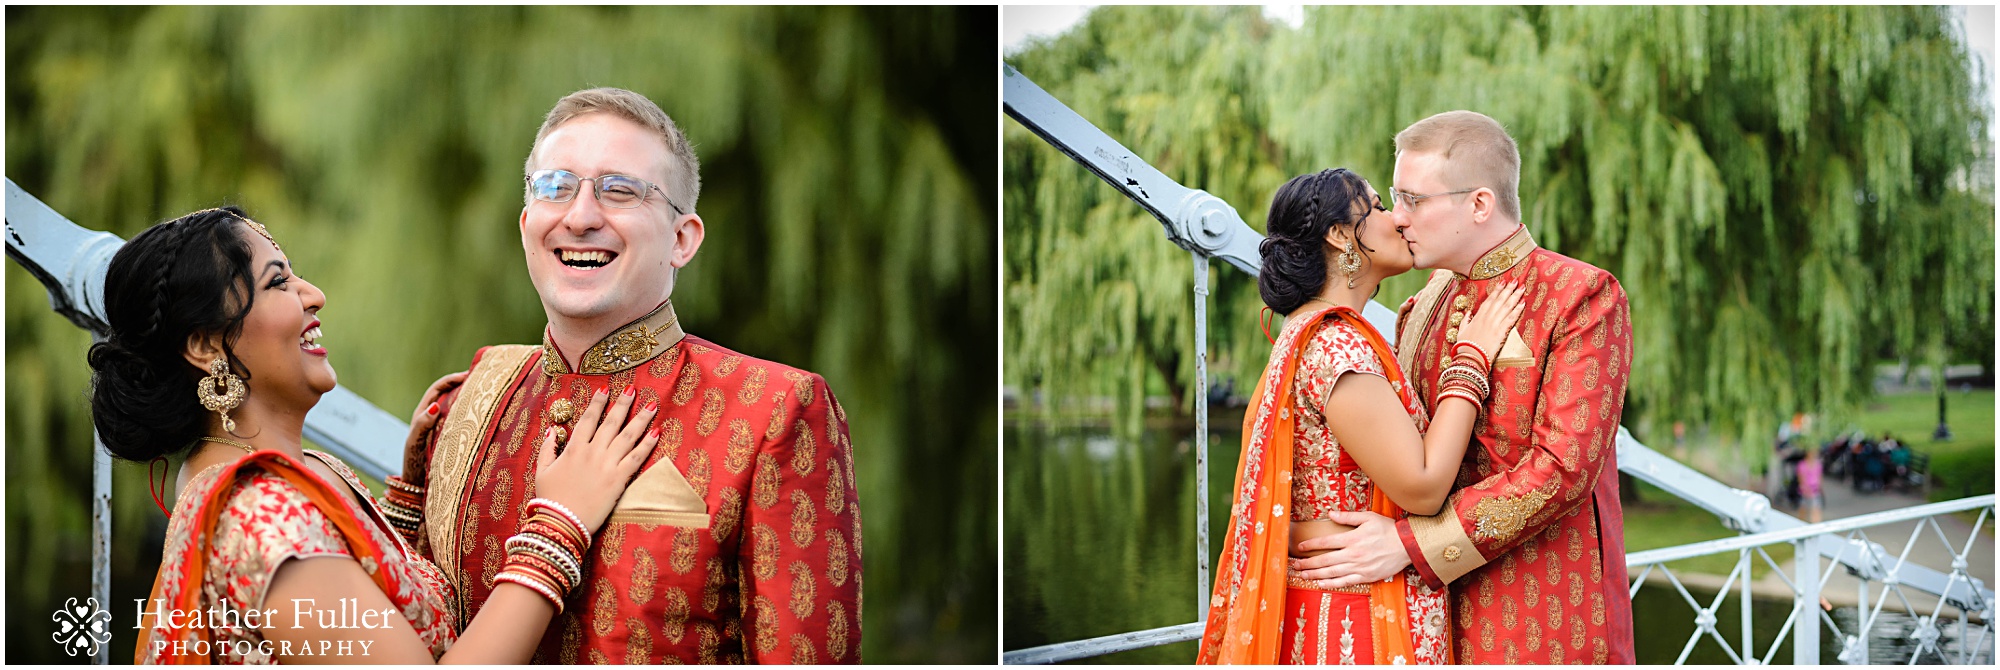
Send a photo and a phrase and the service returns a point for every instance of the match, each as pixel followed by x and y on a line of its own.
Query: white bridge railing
pixel 1209 228
pixel 1879 575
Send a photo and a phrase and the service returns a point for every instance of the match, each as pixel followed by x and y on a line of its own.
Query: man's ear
pixel 201 349
pixel 688 232
pixel 1485 203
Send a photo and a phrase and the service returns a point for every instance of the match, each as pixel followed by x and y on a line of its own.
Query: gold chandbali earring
pixel 1350 263
pixel 221 391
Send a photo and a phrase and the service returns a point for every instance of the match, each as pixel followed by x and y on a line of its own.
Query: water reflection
pixel 1100 532
pixel 1100 539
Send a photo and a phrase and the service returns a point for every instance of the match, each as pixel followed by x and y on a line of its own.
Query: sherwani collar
pixel 625 348
pixel 1505 256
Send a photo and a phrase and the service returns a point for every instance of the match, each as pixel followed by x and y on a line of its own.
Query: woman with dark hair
pixel 1318 440
pixel 213 360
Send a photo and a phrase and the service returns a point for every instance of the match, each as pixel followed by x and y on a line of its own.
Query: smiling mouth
pixel 585 260
pixel 309 340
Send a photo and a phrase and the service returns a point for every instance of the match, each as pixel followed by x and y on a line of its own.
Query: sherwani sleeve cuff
pixel 1439 546
pixel 1409 538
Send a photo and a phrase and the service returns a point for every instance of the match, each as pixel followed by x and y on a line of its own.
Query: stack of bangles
pixel 547 555
pixel 404 507
pixel 1466 376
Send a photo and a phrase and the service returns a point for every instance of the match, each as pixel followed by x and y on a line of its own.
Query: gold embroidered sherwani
pixel 740 539
pixel 1532 539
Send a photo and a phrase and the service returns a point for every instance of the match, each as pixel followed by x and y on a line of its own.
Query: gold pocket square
pixel 661 496
pixel 1514 353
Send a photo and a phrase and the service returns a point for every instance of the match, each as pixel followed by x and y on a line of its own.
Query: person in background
pixel 1811 496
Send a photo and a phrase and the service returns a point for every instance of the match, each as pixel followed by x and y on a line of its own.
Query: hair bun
pixel 133 402
pixel 1302 211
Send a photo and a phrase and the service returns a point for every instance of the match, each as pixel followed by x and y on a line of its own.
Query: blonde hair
pixel 683 177
pixel 1477 152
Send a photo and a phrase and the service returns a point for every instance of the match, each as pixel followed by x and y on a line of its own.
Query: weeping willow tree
pixel 849 232
pixel 1097 301
pixel 1789 195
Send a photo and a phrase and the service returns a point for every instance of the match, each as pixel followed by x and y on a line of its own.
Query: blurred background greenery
pixel 847 159
pixel 1794 198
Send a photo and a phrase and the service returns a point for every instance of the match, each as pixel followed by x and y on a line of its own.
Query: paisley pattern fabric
pixel 1532 539
pixel 1327 480
pixel 256 521
pixel 1258 612
pixel 740 539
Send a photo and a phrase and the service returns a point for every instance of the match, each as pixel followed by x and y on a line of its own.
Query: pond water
pixel 1100 539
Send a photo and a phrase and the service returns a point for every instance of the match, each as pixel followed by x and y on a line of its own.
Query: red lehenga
pixel 235 524
pixel 1261 614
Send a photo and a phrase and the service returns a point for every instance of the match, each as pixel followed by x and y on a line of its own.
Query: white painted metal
pixel 1200 436
pixel 1099 646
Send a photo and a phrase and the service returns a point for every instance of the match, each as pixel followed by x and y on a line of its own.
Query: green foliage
pixel 845 156
pixel 1092 286
pixel 1787 194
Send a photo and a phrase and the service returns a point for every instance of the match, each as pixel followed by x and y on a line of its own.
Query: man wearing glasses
pixel 1531 543
pixel 740 539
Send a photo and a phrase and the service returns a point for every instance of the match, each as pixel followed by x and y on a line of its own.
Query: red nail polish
pixel 651 406
pixel 655 432
pixel 628 392
pixel 433 411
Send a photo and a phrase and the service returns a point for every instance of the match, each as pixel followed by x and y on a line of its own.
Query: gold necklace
pixel 246 448
pixel 1323 301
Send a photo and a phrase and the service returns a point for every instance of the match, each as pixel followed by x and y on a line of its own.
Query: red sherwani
pixel 1532 540
pixel 740 539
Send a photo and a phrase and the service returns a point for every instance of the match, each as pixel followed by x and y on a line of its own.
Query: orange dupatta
pixel 185 594
pixel 1254 555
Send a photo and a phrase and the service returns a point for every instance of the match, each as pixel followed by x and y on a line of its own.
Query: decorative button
pixel 1451 553
pixel 1457 318
pixel 1462 301
pixel 562 437
pixel 561 411
pixel 1451 335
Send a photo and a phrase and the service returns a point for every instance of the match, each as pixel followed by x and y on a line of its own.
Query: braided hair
pixel 1294 248
pixel 182 278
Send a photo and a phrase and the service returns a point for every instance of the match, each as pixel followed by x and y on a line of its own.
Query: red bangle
pixel 542 567
pixel 1485 360
pixel 543 530
pixel 1459 393
pixel 555 527
pixel 530 582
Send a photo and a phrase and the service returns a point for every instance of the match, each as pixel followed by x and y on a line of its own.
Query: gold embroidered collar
pixel 624 349
pixel 1504 257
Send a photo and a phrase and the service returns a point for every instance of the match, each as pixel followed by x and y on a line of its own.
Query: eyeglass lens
pixel 614 190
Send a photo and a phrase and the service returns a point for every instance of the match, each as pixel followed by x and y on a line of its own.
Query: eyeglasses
pixel 1407 200
pixel 612 190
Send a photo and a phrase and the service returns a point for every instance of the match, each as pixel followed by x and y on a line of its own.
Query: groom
pixel 1532 540
pixel 740 539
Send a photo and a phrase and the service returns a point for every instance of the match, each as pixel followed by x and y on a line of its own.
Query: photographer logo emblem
pixel 82 627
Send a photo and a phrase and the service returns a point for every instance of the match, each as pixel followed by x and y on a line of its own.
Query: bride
pixel 275 553
pixel 1319 440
